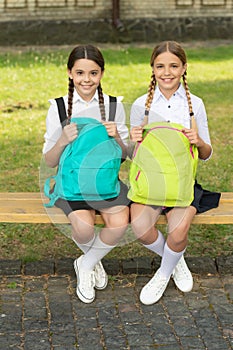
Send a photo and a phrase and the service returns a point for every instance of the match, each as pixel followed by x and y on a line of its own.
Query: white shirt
pixel 81 108
pixel 174 110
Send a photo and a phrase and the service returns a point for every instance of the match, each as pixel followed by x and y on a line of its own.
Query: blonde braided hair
pixel 150 95
pixel 176 49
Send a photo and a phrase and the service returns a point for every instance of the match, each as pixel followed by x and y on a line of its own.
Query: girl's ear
pixel 69 74
pixel 184 68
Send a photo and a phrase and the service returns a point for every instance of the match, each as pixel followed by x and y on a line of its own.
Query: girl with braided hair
pixel 170 101
pixel 85 98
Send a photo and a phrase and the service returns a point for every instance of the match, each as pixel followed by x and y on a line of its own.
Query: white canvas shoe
pixel 85 282
pixel 182 276
pixel 154 289
pixel 101 277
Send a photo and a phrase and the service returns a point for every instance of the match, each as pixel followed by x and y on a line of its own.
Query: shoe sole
pixel 155 300
pixel 182 290
pixel 79 294
pixel 104 286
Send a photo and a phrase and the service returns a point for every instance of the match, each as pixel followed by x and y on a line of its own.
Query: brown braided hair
pixel 175 49
pixel 92 53
pixel 101 103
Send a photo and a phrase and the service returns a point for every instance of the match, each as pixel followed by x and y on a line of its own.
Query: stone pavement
pixel 40 311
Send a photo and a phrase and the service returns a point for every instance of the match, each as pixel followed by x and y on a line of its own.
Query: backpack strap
pixel 61 110
pixel 112 108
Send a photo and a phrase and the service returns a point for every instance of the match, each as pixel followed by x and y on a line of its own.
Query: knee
pixel 180 228
pixel 177 240
pixel 82 236
pixel 82 232
pixel 117 221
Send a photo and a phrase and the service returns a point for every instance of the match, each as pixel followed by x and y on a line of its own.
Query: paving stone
pixel 10 267
pixel 90 338
pixel 35 325
pixel 112 266
pixel 67 338
pixel 184 326
pixel 65 267
pixel 140 266
pixel 10 341
pixel 42 311
pixel 192 343
pixel 201 265
pixel 162 333
pixel 138 334
pixel 35 284
pixel 37 341
pixel 37 268
pixel 225 264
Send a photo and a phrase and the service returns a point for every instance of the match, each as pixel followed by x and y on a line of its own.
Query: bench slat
pixel 24 196
pixel 28 208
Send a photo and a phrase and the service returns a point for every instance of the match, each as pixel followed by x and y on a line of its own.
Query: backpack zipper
pixel 162 127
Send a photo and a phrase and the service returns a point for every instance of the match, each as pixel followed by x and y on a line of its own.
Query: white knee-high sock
pixel 169 261
pixel 158 245
pixel 97 251
pixel 86 246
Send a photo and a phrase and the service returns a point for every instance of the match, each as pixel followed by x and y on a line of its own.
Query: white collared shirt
pixel 81 108
pixel 175 110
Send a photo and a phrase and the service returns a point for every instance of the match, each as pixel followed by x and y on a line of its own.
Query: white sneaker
pixel 182 276
pixel 85 282
pixel 101 278
pixel 154 289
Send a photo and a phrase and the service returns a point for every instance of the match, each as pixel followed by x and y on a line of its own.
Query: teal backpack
pixel 89 166
pixel 163 167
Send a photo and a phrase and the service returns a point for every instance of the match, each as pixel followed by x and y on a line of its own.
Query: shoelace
pixel 87 280
pixel 156 278
pixel 180 271
pixel 99 271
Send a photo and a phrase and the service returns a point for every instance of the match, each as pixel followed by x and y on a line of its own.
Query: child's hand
pixel 111 129
pixel 136 134
pixel 193 137
pixel 69 133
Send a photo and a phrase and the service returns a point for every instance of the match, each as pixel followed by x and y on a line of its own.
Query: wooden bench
pixel 27 207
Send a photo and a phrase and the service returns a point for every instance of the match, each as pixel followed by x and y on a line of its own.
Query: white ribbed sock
pixel 169 261
pixel 158 245
pixel 86 246
pixel 97 251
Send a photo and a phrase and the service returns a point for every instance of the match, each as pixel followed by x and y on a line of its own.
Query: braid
pixel 150 94
pixel 188 95
pixel 101 103
pixel 70 98
pixel 193 124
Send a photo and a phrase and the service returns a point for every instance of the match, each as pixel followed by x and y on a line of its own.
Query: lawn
pixel 30 77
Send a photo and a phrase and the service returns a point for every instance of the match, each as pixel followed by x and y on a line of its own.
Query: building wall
pixel 68 21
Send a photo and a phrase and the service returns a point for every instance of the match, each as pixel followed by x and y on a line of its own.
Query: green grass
pixel 30 77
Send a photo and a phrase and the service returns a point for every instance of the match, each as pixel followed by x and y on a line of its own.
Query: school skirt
pixel 70 206
pixel 204 200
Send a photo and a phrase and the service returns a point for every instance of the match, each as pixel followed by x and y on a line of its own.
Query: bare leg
pixel 116 222
pixel 143 219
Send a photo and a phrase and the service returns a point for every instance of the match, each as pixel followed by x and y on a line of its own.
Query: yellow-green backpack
pixel 163 167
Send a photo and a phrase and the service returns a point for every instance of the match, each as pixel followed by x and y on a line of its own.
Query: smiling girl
pixel 170 101
pixel 85 98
